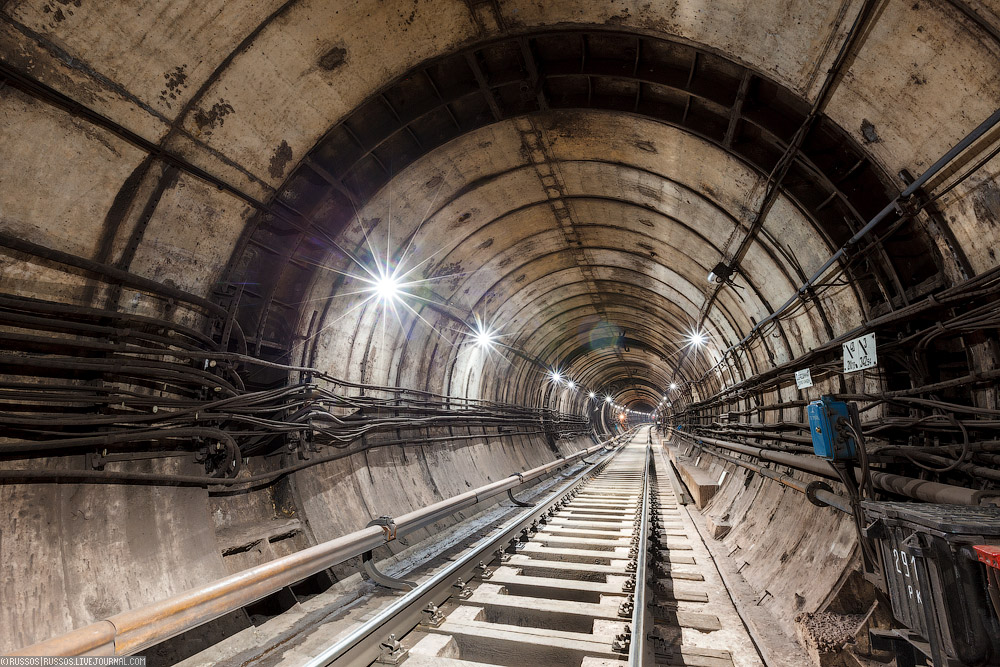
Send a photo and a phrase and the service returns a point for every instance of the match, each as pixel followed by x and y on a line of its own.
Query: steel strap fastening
pixel 388 525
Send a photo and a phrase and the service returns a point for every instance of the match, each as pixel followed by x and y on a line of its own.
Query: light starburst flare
pixel 483 338
pixel 387 279
pixel 482 335
pixel 387 288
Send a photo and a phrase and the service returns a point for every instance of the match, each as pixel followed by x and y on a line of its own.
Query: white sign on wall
pixel 859 353
pixel 803 379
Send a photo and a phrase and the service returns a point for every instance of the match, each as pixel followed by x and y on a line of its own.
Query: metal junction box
pixel 830 440
pixel 936 585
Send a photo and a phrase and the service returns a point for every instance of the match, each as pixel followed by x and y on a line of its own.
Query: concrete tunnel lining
pixel 596 197
pixel 376 232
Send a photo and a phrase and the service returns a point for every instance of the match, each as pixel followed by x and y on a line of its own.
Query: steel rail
pixel 362 646
pixel 683 497
pixel 638 647
pixel 137 629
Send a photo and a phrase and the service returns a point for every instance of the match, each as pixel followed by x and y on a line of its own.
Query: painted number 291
pixel 899 558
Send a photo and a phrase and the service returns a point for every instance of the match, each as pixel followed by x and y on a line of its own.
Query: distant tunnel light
pixel 556 376
pixel 607 399
pixel 592 395
pixel 673 385
pixel 570 384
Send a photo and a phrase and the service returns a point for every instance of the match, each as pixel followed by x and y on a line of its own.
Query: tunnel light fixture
pixel 483 339
pixel 697 338
pixel 387 287
pixel 592 395
pixel 483 336
pixel 570 384
pixel 387 276
pixel 555 376
pixel 673 385
pixel 607 399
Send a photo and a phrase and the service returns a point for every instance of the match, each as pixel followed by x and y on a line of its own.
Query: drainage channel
pixel 589 580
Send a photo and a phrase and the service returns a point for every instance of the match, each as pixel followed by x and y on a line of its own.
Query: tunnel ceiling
pixel 615 170
pixel 568 172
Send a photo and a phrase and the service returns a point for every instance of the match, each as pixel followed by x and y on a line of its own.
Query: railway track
pixel 608 570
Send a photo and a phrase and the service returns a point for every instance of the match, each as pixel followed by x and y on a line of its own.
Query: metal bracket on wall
pixel 815 486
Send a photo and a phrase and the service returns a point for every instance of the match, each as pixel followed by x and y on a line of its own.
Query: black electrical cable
pixel 855 499
pixel 862 449
pixel 105 476
pixel 65 315
pixel 961 459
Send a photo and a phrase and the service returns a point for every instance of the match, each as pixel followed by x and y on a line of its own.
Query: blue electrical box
pixel 831 440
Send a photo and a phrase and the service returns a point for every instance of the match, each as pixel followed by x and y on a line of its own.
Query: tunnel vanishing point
pixel 500 332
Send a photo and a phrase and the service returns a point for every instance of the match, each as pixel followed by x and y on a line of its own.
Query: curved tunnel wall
pixel 606 151
pixel 496 251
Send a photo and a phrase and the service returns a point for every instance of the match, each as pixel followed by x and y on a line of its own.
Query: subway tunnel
pixel 301 301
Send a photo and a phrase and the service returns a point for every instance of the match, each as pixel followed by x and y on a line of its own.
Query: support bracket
pixel 517 502
pixel 383 579
pixel 388 525
pixel 510 494
pixel 811 490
